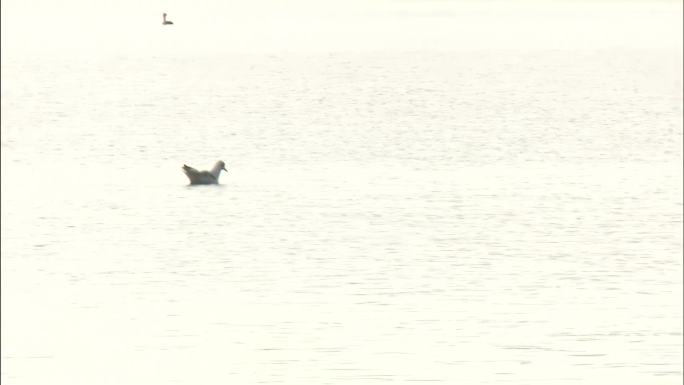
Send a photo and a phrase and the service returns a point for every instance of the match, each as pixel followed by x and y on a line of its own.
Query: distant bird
pixel 204 177
pixel 166 22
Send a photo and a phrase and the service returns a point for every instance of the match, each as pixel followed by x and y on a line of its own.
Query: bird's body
pixel 204 177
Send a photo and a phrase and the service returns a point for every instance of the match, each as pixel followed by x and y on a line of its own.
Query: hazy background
pixel 123 27
pixel 418 192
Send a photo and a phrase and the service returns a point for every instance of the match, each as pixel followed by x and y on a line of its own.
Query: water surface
pixel 422 213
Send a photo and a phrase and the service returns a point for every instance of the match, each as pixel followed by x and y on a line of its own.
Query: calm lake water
pixel 421 213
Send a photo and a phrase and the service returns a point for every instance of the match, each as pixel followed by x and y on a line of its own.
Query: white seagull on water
pixel 204 177
pixel 166 22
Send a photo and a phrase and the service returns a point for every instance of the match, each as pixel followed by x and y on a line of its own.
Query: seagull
pixel 166 22
pixel 204 177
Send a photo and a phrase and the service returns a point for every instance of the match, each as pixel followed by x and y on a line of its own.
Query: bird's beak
pixel 224 169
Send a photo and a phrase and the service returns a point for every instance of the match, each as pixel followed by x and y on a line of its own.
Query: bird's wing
pixel 199 177
pixel 208 176
pixel 189 170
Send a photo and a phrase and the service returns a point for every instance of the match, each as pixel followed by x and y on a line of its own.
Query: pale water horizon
pixel 436 192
